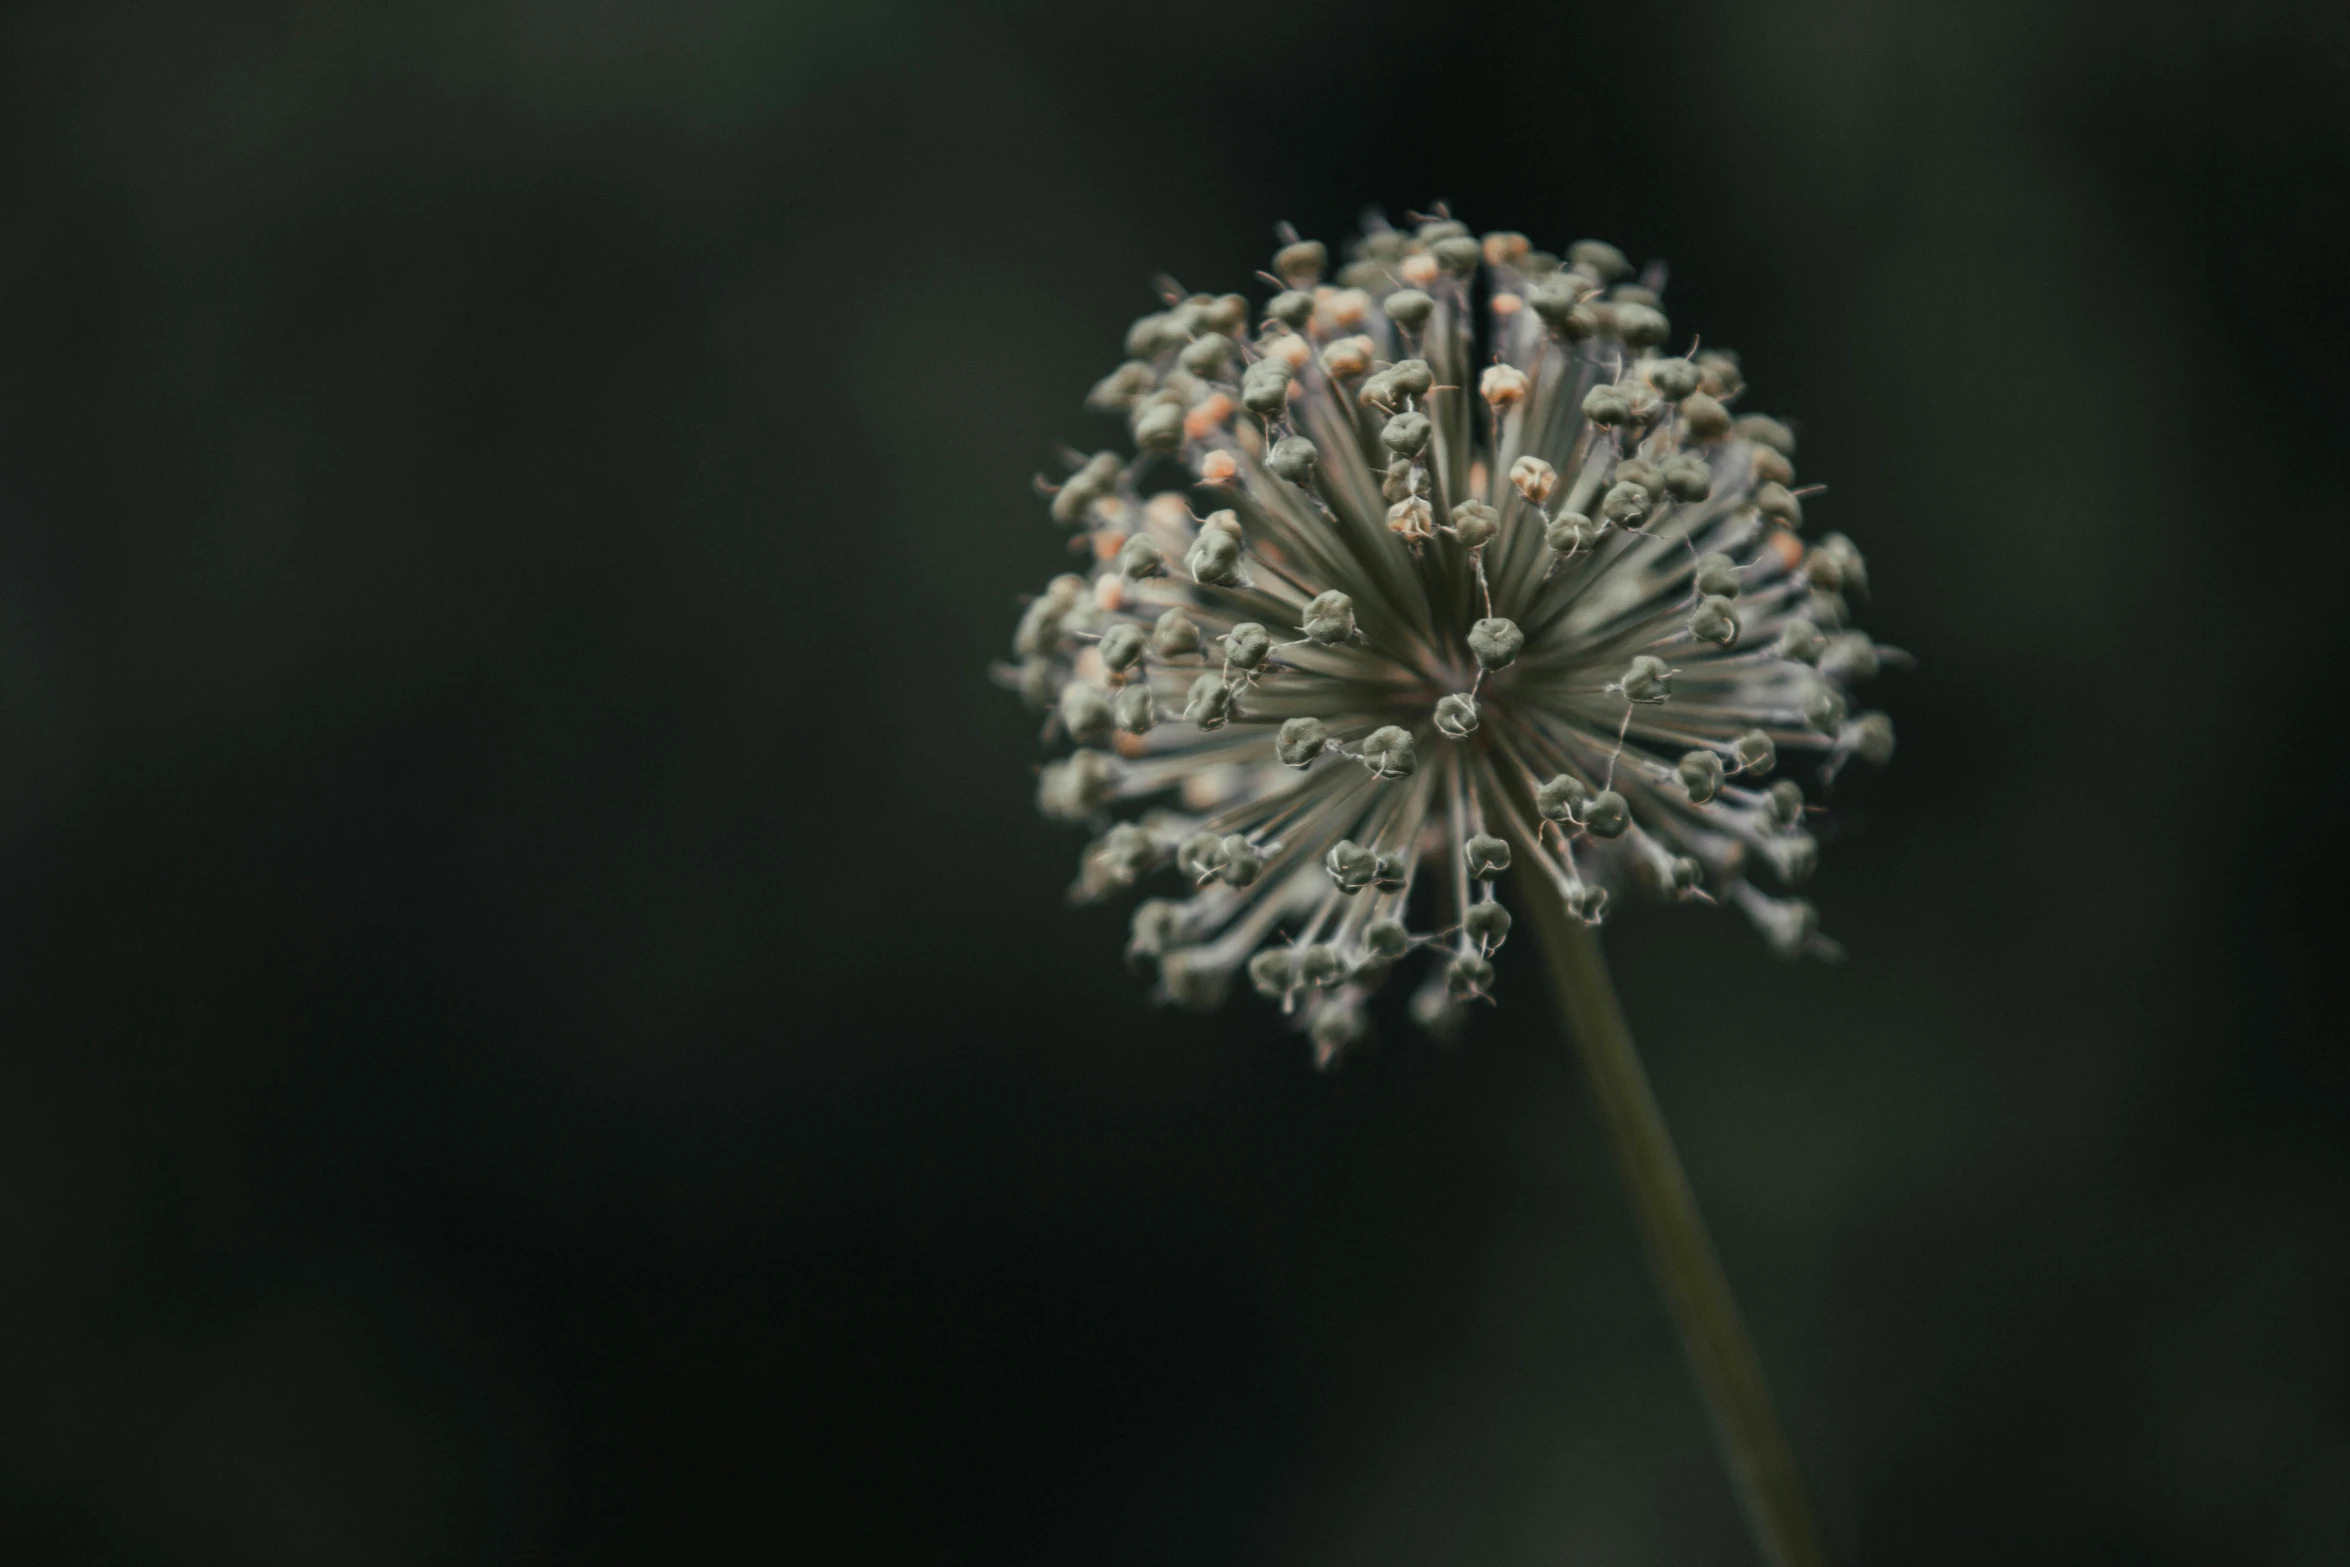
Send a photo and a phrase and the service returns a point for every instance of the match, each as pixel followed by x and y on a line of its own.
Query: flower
pixel 1550 615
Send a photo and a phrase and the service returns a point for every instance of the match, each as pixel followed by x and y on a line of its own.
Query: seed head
pixel 1540 616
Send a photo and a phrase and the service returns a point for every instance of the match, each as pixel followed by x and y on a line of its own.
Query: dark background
pixel 537 1022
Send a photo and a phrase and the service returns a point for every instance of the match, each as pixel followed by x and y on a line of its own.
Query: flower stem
pixel 1762 1464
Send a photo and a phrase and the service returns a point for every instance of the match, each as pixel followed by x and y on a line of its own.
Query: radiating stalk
pixel 1762 1464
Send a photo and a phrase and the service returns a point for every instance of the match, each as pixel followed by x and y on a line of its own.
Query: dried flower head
pixel 1538 604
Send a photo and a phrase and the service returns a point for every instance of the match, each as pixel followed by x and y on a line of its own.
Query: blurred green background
pixel 537 1022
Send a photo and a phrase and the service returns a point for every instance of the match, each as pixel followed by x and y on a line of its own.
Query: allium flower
pixel 1475 590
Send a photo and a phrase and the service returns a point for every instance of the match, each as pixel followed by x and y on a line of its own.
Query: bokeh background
pixel 537 1022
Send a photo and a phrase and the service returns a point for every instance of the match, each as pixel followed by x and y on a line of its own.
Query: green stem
pixel 1762 1465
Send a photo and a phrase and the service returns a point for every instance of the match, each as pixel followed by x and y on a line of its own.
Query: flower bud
pixel 1406 434
pixel 1607 815
pixel 1800 641
pixel 1247 646
pixel 1586 901
pixel 1209 704
pixel 1389 752
pixel 1085 713
pixel 1242 862
pixel 1122 645
pixel 1321 965
pixel 1207 356
pixel 1763 430
pixel 1273 971
pixel 1626 505
pixel 1456 715
pixel 1351 866
pixel 1300 263
pixel 1571 532
pixel 1174 634
pixel 1534 478
pixel 1413 519
pixel 1673 379
pixel 1157 928
pixel 1496 642
pixel 1468 975
pixel 1561 799
pixel 1716 577
pixel 1606 406
pixel 1701 775
pixel 1646 679
pixel 1293 458
pixel 1502 385
pixel 1300 741
pixel 1687 478
pixel 1293 308
pixel 1871 738
pixel 1409 308
pixel 1385 940
pixel 1138 557
pixel 1487 924
pixel 1823 708
pixel 1784 800
pixel 1703 418
pixel 1849 658
pixel 1159 428
pixel 1134 708
pixel 1641 326
pixel 1474 523
pixel 1716 621
pixel 1755 752
pixel 1214 558
pixel 1487 855
pixel 1200 856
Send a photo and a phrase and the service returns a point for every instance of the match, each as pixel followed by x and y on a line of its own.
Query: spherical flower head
pixel 1370 627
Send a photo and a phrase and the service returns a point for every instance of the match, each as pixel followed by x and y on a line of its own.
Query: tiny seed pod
pixel 1770 467
pixel 1626 505
pixel 1641 326
pixel 1562 798
pixel 1871 738
pixel 1687 478
pixel 1293 458
pixel 1321 965
pixel 1389 752
pixel 1570 533
pixel 1716 576
pixel 1406 434
pixel 1457 254
pixel 1673 379
pixel 1487 924
pixel 1329 618
pixel 1496 642
pixel 1159 428
pixel 1200 856
pixel 1247 646
pixel 1607 815
pixel 1040 682
pixel 1723 378
pixel 1134 708
pixel 1850 658
pixel 1456 715
pixel 1351 866
pixel 1293 308
pixel 1413 518
pixel 1468 975
pixel 1379 390
pixel 1214 557
pixel 1266 396
pixel 1756 753
pixel 1122 644
pixel 1174 634
pixel 1413 378
pixel 1128 851
pixel 1157 927
pixel 1273 971
pixel 1209 703
pixel 1138 557
pixel 1599 258
pixel 1606 406
pixel 1474 523
pixel 1300 741
pixel 1554 300
pixel 1685 875
pixel 1409 308
pixel 1777 502
pixel 1394 871
pixel 1586 902
pixel 1207 356
pixel 1405 479
pixel 1300 264
pixel 1763 430
pixel 1243 863
pixel 1385 940
pixel 1800 641
pixel 1701 775
pixel 1502 385
pixel 1703 418
pixel 1784 800
pixel 1085 713
pixel 1851 571
pixel 1637 470
pixel 1646 679
pixel 1824 607
pixel 1716 621
pixel 1823 708
pixel 1534 478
